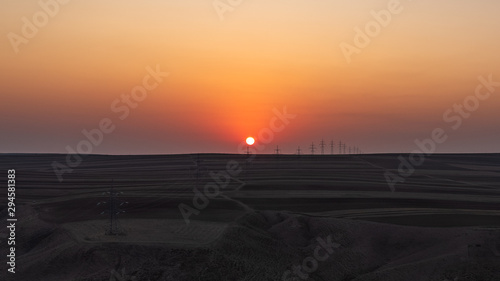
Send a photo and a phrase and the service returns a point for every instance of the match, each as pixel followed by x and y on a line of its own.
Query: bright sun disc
pixel 250 141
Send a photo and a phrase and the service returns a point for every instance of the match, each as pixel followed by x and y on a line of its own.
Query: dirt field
pixel 264 218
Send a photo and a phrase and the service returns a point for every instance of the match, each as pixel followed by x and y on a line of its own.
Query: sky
pixel 381 75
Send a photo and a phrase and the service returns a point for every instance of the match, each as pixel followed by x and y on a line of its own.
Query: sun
pixel 250 140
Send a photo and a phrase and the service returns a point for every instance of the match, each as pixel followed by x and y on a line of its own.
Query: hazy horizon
pixel 229 73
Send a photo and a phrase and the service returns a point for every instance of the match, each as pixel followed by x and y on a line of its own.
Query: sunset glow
pixel 250 141
pixel 406 68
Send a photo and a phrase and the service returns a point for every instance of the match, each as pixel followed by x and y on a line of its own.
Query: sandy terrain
pixel 442 223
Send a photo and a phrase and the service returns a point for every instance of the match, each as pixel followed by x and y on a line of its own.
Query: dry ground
pixel 441 223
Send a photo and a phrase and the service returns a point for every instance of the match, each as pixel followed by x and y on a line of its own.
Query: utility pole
pixel 298 150
pixel 113 211
pixel 198 170
pixel 344 148
pixel 195 171
pixel 340 147
pixel 322 145
pixel 331 146
pixel 312 148
pixel 277 150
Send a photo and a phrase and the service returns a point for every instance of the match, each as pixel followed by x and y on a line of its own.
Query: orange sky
pixel 226 74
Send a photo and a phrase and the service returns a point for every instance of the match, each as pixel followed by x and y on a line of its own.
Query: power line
pixel 313 148
pixel 113 211
pixel 277 150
